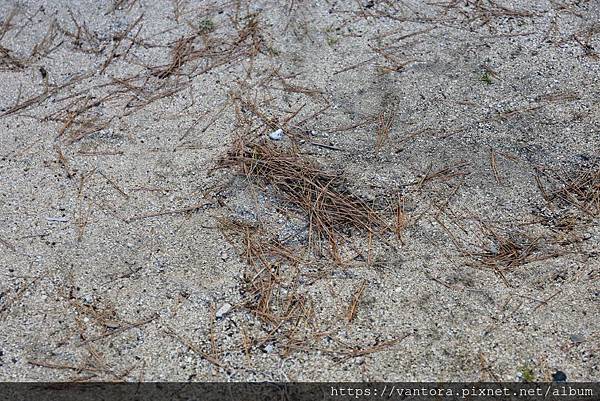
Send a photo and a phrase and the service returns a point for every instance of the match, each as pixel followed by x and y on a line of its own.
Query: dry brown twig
pixel 351 351
pixel 384 125
pixel 271 287
pixel 507 253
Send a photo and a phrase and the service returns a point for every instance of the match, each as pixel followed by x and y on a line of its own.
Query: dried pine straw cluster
pixel 583 191
pixel 272 287
pixel 86 103
pixel 331 209
pixel 503 248
pixel 277 292
pixel 279 277
pixel 508 252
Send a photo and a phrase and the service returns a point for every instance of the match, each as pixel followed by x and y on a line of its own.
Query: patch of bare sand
pixel 471 129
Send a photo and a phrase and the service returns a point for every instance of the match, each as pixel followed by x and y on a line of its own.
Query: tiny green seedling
pixel 527 374
pixel 206 25
pixel 487 78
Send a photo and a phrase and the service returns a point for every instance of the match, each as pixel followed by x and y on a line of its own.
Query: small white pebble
pixel 276 135
pixel 223 310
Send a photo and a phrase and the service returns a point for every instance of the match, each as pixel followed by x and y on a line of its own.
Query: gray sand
pixel 112 262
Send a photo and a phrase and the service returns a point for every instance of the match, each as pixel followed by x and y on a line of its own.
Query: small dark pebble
pixel 559 376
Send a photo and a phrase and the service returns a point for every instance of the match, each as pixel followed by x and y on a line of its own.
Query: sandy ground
pixel 114 261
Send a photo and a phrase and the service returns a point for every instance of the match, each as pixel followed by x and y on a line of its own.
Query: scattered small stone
pixel 159 264
pixel 223 310
pixel 269 348
pixel 276 135
pixel 559 376
pixel 577 338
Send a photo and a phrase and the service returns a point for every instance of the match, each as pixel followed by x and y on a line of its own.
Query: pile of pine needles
pixel 332 210
pixel 583 191
pixel 507 253
pixel 272 281
pixel 507 250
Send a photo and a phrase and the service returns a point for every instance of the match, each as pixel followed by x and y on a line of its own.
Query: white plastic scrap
pixel 223 310
pixel 276 135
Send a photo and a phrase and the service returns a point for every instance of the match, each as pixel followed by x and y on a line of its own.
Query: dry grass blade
pixel 7 23
pixel 494 165
pixel 354 302
pixel 186 342
pixel 446 173
pixel 401 219
pixel 264 280
pixel 180 54
pixel 46 45
pixel 358 351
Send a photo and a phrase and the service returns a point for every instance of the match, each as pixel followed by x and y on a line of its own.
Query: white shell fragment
pixel 276 135
pixel 223 310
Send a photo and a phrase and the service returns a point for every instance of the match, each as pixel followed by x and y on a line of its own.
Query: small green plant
pixel 206 25
pixel 487 78
pixel 527 374
pixel 332 40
